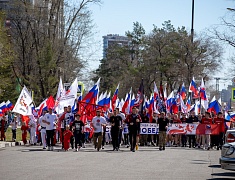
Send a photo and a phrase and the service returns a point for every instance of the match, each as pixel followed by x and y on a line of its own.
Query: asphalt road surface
pixel 33 163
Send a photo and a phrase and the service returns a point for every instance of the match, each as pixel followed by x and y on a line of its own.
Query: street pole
pixel 192 30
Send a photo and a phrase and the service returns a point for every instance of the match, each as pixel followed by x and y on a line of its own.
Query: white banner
pixel 189 129
pixel 148 128
pixel 23 104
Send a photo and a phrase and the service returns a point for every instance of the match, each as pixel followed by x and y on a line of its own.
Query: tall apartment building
pixel 114 39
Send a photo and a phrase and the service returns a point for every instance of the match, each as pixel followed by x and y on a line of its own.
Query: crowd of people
pixel 68 129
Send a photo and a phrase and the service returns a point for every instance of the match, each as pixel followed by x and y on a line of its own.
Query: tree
pixel 8 81
pixel 224 33
pixel 164 55
pixel 48 38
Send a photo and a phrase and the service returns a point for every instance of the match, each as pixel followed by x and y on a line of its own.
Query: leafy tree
pixel 8 81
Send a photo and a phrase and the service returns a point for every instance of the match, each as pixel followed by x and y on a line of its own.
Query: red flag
pixel 25 119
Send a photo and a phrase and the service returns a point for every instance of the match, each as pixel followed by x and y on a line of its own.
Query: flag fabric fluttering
pixel 60 92
pixel 204 100
pixel 9 105
pixel 114 98
pixel 23 103
pixel 214 106
pixel 140 97
pixel 193 89
pixel 68 98
pixel 88 104
pixel 183 92
pixel 127 102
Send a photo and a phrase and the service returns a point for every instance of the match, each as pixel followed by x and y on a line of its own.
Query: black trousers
pixel 13 134
pixel 191 140
pixel 115 138
pixel 72 142
pixel 132 138
pixel 103 139
pixel 50 137
pixel 219 139
pixel 126 139
pixel 183 140
pixel 78 139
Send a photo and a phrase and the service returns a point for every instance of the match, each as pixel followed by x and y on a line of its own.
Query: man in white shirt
pixel 50 120
pixel 97 123
pixel 43 129
pixel 32 126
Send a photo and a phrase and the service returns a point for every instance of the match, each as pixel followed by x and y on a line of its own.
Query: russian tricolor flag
pixel 132 103
pixel 214 106
pixel 193 88
pixel 115 97
pixel 183 92
pixel 9 105
pixel 3 107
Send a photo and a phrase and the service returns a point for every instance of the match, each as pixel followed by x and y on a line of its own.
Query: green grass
pixel 18 135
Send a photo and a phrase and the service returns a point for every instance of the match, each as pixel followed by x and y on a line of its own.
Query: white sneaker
pixel 52 148
pixel 76 150
pixel 49 148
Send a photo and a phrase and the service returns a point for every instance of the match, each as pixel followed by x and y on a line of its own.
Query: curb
pixel 7 144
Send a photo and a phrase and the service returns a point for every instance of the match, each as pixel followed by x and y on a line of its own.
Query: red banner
pixel 208 129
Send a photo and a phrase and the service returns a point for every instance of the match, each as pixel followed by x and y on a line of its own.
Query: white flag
pixel 68 97
pixel 23 104
pixel 59 94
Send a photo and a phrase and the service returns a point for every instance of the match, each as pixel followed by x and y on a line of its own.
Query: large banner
pixel 188 129
pixel 193 129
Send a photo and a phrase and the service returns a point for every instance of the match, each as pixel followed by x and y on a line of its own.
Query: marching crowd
pixel 73 133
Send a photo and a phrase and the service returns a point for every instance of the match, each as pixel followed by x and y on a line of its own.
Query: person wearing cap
pixel 78 130
pixel 43 129
pixel 133 120
pixel 97 123
pixel 50 120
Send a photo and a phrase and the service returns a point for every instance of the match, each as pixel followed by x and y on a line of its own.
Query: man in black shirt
pixel 78 127
pixel 163 123
pixel 116 123
pixel 192 138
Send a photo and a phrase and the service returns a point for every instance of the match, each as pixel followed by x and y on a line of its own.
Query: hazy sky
pixel 117 17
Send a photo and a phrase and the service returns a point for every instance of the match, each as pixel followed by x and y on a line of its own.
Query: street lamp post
pixel 192 30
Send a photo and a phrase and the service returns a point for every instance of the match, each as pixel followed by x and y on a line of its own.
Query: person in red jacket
pixel 3 124
pixel 206 140
pixel 67 135
pixel 24 129
pixel 219 138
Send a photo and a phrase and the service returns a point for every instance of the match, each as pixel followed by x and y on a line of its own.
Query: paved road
pixel 31 162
